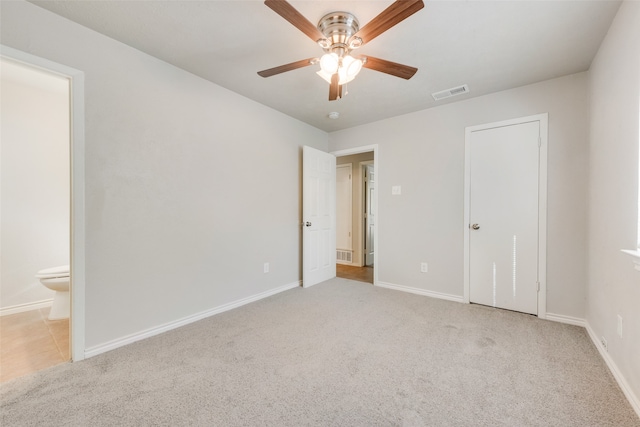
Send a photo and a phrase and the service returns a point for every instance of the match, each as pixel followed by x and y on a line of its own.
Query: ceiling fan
pixel 339 33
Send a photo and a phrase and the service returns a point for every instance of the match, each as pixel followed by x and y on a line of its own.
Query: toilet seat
pixel 54 272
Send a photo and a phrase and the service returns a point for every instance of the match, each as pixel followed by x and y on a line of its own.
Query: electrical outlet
pixel 424 267
pixel 603 341
pixel 619 326
pixel 266 267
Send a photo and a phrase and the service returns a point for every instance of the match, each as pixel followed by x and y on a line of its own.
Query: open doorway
pixel 36 127
pixel 355 216
pixel 35 219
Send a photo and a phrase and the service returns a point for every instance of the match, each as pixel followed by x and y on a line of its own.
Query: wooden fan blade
pixel 288 12
pixel 286 67
pixel 397 12
pixel 335 90
pixel 388 67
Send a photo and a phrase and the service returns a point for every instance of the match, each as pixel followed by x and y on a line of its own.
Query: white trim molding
pixel 620 379
pixel 635 257
pixel 569 320
pixel 21 308
pixel 418 291
pixel 156 330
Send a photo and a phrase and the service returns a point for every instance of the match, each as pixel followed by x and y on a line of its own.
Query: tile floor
pixel 30 342
pixel 361 274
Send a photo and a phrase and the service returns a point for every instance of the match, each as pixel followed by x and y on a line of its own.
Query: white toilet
pixel 57 279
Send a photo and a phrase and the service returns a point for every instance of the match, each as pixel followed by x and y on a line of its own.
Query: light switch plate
pixel 396 190
pixel 619 329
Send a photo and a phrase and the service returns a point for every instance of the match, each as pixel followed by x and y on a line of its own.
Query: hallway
pixel 361 274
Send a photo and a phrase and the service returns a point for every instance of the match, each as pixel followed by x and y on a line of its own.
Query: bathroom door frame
pixel 77 212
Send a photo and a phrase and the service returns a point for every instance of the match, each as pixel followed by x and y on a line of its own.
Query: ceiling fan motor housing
pixel 338 28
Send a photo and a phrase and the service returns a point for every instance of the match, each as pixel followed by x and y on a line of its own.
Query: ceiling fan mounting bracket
pixel 338 29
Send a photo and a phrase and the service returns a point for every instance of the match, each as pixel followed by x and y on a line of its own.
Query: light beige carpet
pixel 341 353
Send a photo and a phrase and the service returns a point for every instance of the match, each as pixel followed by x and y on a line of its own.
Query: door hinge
pixel 537 286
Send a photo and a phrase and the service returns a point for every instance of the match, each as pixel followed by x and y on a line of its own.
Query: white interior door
pixel 503 216
pixel 318 216
pixel 369 216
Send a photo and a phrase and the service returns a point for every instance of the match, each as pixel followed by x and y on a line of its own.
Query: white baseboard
pixel 622 382
pixel 432 294
pixel 128 339
pixel 561 318
pixel 20 308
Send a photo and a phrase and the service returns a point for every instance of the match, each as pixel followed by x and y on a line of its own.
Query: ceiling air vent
pixel 450 92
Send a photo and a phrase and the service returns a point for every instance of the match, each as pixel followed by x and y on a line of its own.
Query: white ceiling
pixel 489 45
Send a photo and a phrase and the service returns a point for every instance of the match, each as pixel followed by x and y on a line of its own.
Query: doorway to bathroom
pixel 356 211
pixel 41 214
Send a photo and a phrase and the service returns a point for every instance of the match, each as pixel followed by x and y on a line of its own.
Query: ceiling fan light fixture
pixel 325 76
pixel 344 77
pixel 351 65
pixel 347 68
pixel 329 63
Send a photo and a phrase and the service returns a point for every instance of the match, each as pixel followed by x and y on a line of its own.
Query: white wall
pixel 34 155
pixel 613 284
pixel 190 188
pixel 424 153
